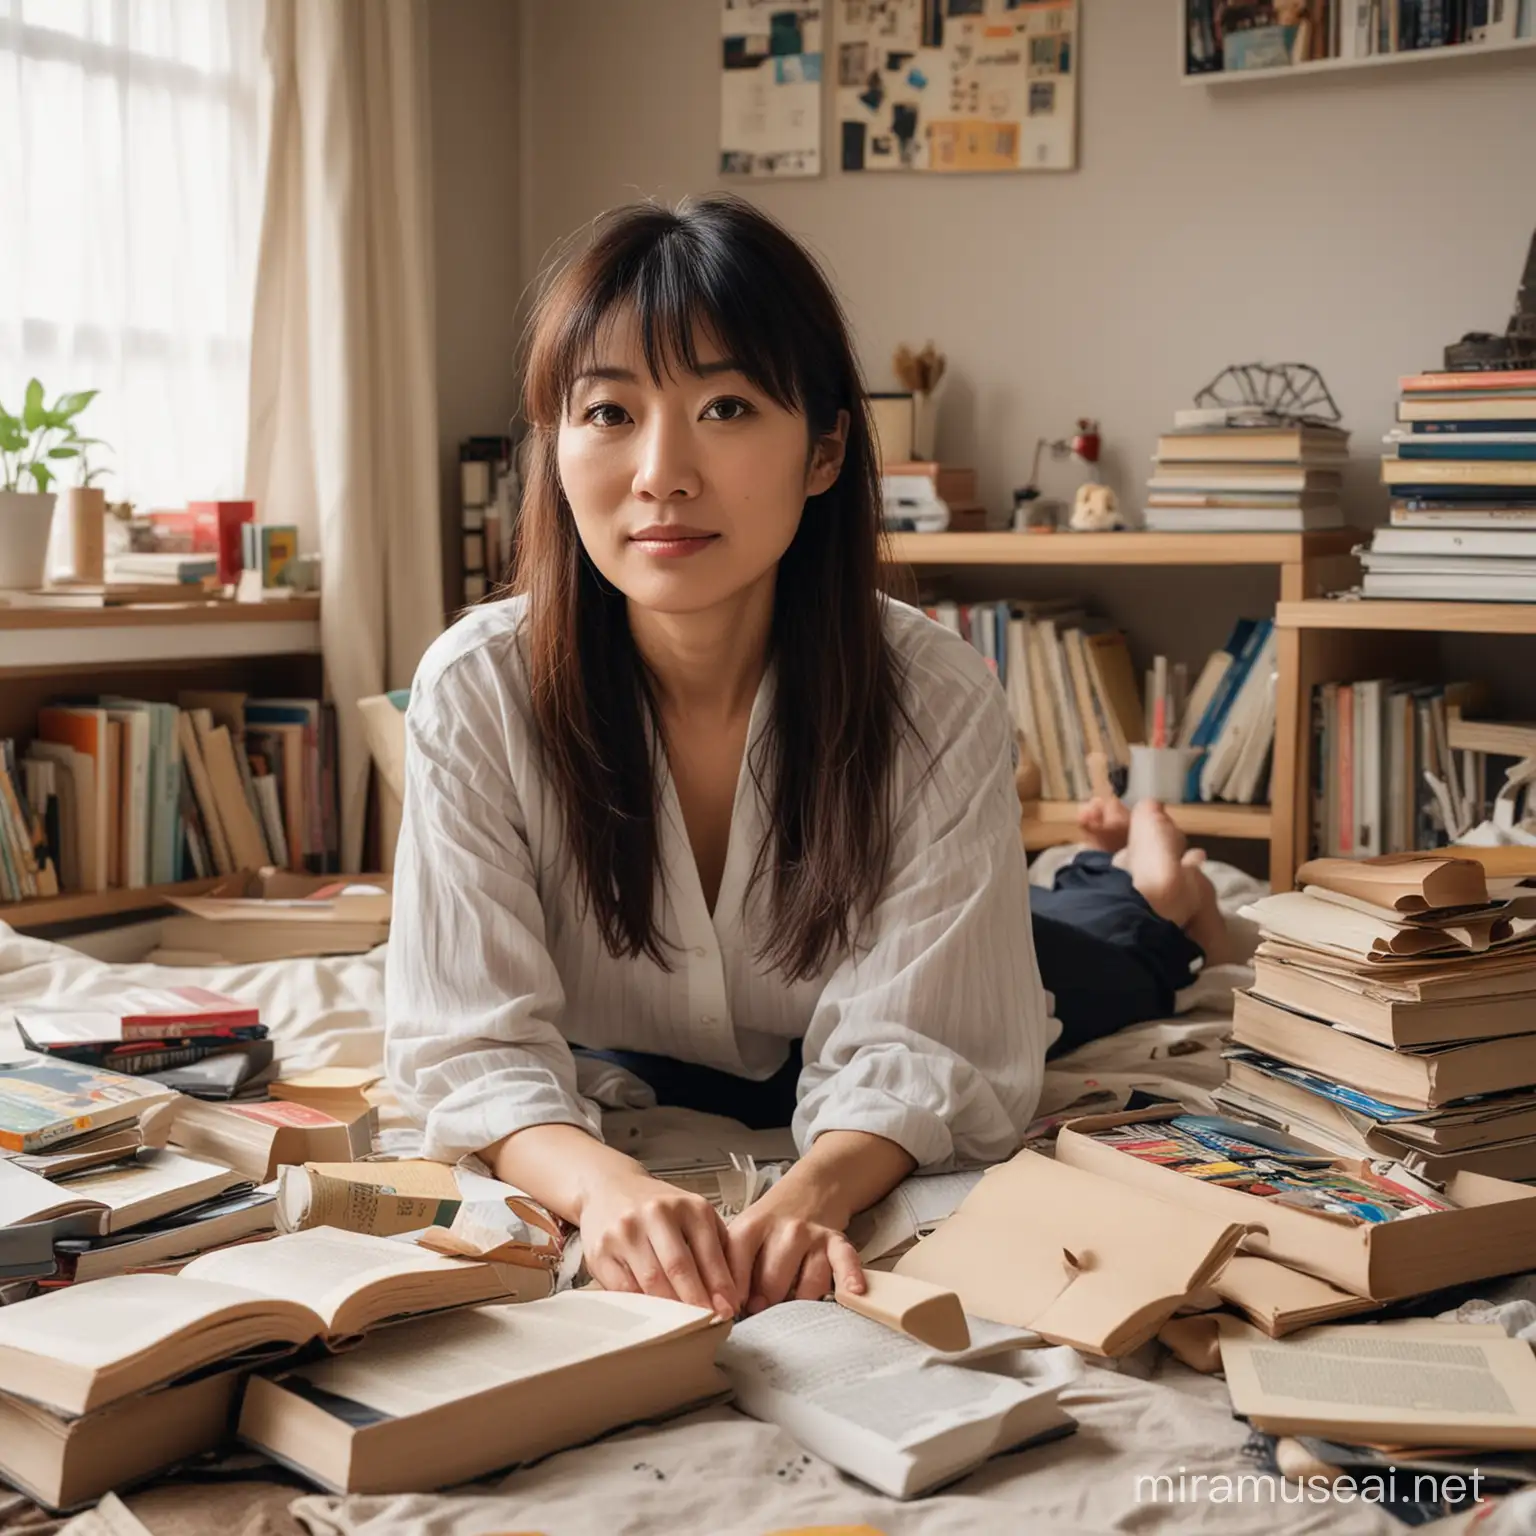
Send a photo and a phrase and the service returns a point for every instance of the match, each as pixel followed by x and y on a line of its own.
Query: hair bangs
pixel 684 281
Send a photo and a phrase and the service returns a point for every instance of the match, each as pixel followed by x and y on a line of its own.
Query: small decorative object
pixel 304 573
pixel 1273 394
pixel 891 416
pixel 31 444
pixel 920 372
pixel 1096 509
pixel 1030 513
pixel 1033 513
pixel 85 512
pixel 1482 351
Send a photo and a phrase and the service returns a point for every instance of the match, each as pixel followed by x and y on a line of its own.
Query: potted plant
pixel 30 444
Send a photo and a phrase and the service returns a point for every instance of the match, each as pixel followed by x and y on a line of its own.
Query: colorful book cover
pixel 45 1101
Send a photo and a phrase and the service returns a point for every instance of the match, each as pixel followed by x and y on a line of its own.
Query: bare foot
pixel 1168 874
pixel 1153 857
pixel 1104 822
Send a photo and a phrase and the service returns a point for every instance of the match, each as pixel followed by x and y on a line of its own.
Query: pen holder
pixel 1159 773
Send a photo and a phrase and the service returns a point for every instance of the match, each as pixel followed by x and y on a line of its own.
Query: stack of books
pixel 104 1386
pixel 121 793
pixel 1394 771
pixel 1238 470
pixel 1461 466
pixel 926 497
pixel 1393 1015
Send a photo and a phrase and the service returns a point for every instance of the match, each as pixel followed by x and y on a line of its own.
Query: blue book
pixel 1449 448
pixel 1459 428
pixel 1240 647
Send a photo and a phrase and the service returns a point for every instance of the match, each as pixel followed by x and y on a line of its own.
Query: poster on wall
pixel 957 85
pixel 770 88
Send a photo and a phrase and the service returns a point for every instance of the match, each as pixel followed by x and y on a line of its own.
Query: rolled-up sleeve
pixel 472 1047
pixel 933 1034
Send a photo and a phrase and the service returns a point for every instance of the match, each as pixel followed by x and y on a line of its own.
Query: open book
pixel 76 1349
pixel 902 1417
pixel 111 1199
pixel 1401 1384
pixel 451 1398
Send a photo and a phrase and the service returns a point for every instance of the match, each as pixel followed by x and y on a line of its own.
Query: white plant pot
pixel 25 520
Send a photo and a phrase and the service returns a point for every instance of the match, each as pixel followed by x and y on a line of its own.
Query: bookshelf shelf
pixel 1415 56
pixel 1435 618
pixel 1047 823
pixel 79 906
pixel 1129 548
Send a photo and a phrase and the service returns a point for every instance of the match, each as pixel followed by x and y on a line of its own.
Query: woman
pixel 698 796
pixel 698 792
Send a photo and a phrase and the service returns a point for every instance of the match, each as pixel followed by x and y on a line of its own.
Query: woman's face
pixel 688 491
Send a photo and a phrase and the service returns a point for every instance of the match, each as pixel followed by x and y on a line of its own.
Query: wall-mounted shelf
pixel 1414 56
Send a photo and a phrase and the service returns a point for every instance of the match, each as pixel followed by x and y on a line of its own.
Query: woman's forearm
pixel 559 1166
pixel 844 1172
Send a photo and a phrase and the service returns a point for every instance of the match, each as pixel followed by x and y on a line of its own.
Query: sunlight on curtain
pixel 130 202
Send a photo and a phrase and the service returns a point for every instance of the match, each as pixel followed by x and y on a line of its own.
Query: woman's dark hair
pixel 720 265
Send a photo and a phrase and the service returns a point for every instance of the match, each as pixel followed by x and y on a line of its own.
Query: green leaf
pixel 67 407
pixel 63 453
pixel 42 475
pixel 33 414
pixel 12 438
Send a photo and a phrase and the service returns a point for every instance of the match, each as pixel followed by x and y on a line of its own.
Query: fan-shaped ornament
pixel 1278 392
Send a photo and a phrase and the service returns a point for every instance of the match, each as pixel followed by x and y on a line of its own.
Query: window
pixel 130 199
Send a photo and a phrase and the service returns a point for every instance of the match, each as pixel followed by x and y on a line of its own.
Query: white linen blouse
pixel 932 1032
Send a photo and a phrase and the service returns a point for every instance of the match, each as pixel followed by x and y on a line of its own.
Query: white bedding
pixel 716 1471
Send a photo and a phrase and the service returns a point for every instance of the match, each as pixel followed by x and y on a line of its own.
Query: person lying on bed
pixel 698 797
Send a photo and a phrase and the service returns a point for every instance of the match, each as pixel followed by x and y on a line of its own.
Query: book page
pixel 153 1174
pixel 1382 1375
pixel 319 1269
pixel 913 1208
pixel 862 1372
pixel 453 1356
pixel 96 1325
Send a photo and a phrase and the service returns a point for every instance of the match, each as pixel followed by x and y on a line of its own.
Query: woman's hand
pixel 640 1234
pixel 782 1248
pixel 637 1233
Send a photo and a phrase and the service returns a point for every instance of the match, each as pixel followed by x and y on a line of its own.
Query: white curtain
pixel 130 189
pixel 343 412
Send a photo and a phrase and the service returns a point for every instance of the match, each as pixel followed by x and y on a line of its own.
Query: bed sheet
pixel 716 1471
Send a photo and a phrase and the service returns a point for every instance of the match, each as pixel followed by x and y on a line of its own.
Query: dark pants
pixel 1106 956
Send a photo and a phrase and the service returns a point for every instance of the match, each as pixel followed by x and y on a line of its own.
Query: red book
pixel 139 1013
pixel 216 530
pixel 1494 378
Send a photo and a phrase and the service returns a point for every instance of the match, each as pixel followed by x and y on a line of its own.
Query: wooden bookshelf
pixel 1350 639
pixel 1306 564
pixel 152 652
pixel 924 550
pixel 1047 823
pixel 1410 617
pixel 1450 53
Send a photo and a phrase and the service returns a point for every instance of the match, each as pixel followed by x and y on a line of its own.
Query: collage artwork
pixel 921 85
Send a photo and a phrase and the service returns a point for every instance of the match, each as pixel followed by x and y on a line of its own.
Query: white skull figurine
pixel 1095 509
